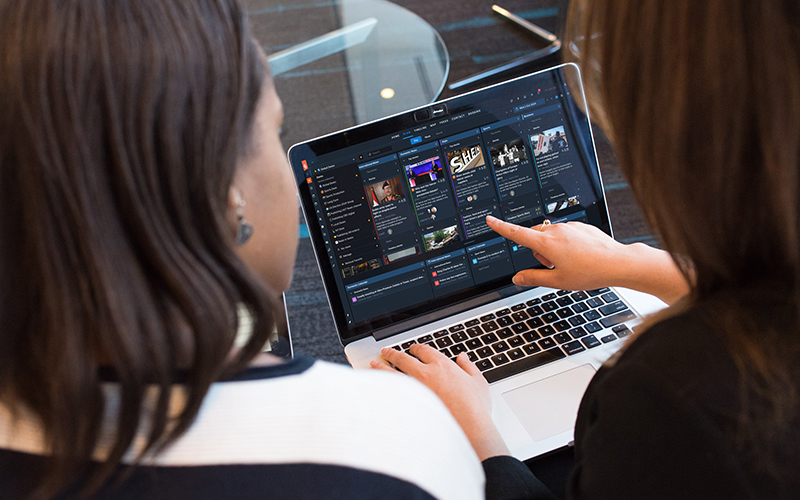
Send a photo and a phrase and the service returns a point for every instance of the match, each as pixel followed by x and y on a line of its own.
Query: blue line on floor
pixel 480 22
pixel 612 187
pixel 303 231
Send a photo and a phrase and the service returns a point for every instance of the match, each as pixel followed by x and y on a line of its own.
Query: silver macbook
pixel 396 212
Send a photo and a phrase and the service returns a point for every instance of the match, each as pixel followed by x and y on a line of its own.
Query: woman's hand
pixel 582 257
pixel 460 386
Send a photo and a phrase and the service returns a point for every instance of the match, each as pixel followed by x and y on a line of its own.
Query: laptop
pixel 396 213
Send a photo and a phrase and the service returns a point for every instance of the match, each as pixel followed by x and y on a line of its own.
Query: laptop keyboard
pixel 514 339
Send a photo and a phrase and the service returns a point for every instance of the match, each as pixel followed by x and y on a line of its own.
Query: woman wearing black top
pixel 702 102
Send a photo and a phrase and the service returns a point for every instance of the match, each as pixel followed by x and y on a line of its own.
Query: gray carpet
pixel 476 40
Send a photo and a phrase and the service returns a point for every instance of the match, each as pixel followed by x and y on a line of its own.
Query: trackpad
pixel 549 406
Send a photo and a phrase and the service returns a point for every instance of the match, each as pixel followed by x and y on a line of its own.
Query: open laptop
pixel 396 212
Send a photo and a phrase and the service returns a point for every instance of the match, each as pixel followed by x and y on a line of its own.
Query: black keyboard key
pixel 531 348
pixel 440 333
pixel 518 307
pixel 595 302
pixel 549 296
pixel 547 343
pixel 458 349
pixel 503 312
pixel 590 341
pixel 531 336
pixel 489 326
pixel 619 328
pixel 516 341
pixel 578 296
pixel 577 320
pixel 608 338
pixel 612 308
pixel 546 330
pixel 425 339
pixel 624 332
pixel 519 328
pixel 565 312
pixel 593 327
pixel 533 302
pixel 617 318
pixel 562 337
pixel 580 307
pixel 561 293
pixel 535 323
pixel 472 356
pixel 549 317
pixel 516 354
pixel 473 344
pixel 406 345
pixel 489 338
pixel 444 351
pixel 500 346
pixel 485 352
pixel 522 365
pixel 444 342
pixel 456 328
pixel 609 297
pixel 486 318
pixel 592 315
pixel 519 316
pixel 562 325
pixel 578 332
pixel 459 336
pixel 472 322
pixel 396 348
pixel 564 301
pixel 573 347
pixel 549 306
pixel 504 333
pixel 431 345
pixel 500 359
pixel 534 311
pixel 484 365
pixel 474 331
pixel 595 293
pixel 505 321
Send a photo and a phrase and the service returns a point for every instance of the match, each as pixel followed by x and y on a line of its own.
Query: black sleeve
pixel 509 479
pixel 643 438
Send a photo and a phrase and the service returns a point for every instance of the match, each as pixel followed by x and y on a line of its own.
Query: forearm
pixel 650 270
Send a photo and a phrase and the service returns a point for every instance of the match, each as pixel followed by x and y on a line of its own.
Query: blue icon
pixel 474 261
pixel 416 140
pixel 515 248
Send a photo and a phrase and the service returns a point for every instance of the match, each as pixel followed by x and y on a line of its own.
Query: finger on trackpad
pixel 549 406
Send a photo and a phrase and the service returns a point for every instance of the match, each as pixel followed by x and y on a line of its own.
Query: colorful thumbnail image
pixel 549 141
pixel 562 204
pixel 400 254
pixel 386 191
pixel 441 238
pixel 508 154
pixel 424 171
pixel 360 268
pixel 465 159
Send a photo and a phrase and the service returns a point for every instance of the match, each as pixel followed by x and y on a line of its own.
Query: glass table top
pixel 345 62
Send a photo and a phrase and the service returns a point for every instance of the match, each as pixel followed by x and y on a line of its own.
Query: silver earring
pixel 244 230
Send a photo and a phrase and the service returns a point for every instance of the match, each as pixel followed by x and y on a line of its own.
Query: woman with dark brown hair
pixel 131 135
pixel 702 102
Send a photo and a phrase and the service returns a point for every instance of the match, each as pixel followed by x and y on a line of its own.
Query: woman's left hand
pixel 460 386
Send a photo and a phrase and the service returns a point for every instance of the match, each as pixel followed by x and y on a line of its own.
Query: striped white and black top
pixel 303 429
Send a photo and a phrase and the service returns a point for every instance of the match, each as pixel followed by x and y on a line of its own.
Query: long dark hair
pixel 702 102
pixel 120 127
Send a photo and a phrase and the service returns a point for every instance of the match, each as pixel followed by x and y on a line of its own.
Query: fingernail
pixel 491 218
pixel 517 280
pixel 385 350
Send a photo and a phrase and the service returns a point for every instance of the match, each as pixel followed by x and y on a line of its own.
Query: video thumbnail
pixel 360 268
pixel 562 204
pixel 465 159
pixel 425 171
pixel 441 238
pixel 508 154
pixel 549 141
pixel 386 191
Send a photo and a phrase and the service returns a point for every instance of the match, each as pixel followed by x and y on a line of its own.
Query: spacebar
pixel 523 364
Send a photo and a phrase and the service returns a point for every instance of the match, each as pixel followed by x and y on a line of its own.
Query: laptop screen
pixel 396 208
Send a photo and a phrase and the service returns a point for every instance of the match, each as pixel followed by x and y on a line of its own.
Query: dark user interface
pixel 403 220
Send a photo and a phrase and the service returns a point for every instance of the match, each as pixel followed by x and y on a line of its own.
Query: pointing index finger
pixel 522 235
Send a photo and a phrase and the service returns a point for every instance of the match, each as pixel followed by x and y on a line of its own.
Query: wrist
pixel 650 270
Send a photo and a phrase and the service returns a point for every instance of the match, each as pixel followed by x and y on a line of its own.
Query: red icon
pixel 308 180
pixel 433 274
pixel 305 165
pixel 436 283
